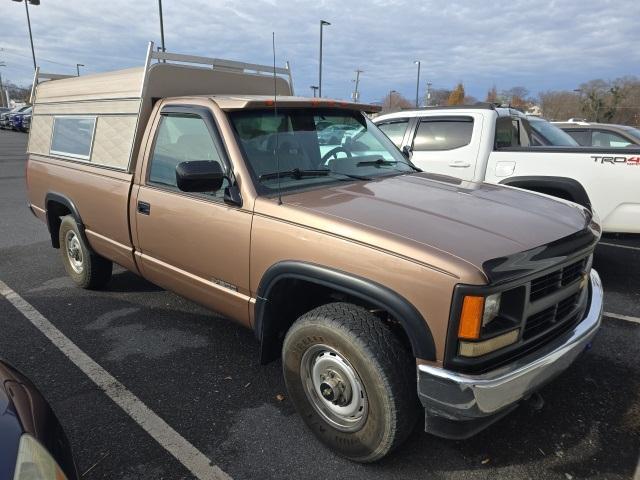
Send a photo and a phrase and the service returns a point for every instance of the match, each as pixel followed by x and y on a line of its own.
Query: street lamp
pixel 161 25
pixel 26 6
pixel 417 62
pixel 391 93
pixel 78 65
pixel 322 24
pixel 2 92
pixel 315 90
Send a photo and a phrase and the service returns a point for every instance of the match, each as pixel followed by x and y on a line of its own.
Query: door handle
pixel 144 208
pixel 459 164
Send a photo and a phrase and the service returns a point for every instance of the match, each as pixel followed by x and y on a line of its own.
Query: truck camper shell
pixel 112 108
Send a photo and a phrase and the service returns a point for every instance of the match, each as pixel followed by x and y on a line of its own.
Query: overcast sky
pixel 537 44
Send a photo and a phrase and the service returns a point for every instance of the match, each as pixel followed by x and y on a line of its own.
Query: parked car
pixel 607 135
pixel 5 118
pixel 375 283
pixel 334 134
pixel 33 444
pixel 16 119
pixel 503 146
pixel 544 133
pixel 26 122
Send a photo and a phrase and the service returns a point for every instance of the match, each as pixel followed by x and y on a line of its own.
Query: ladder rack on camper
pixel 121 101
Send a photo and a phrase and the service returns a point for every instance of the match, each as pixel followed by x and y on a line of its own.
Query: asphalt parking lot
pixel 199 373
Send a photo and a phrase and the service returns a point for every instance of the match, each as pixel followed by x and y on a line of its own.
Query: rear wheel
pixel 352 380
pixel 86 268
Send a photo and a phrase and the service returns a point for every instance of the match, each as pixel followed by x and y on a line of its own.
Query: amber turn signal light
pixel 471 317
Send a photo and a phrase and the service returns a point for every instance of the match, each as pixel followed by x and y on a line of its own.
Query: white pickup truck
pixel 483 143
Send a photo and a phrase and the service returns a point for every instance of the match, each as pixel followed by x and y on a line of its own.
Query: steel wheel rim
pixel 334 388
pixel 74 251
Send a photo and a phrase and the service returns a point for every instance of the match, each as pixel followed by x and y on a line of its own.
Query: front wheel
pixel 351 379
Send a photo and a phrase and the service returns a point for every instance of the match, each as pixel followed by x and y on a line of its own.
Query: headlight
pixel 477 312
pixel 478 319
pixel 35 463
pixel 491 308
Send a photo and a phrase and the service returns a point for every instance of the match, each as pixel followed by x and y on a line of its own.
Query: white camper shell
pixel 111 109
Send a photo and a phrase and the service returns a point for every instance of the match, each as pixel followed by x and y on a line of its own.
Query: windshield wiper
pixel 380 162
pixel 296 173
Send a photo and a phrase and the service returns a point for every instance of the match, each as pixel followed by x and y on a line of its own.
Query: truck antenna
pixel 275 114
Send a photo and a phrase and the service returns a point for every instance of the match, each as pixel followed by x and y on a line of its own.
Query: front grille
pixel 554 281
pixel 551 317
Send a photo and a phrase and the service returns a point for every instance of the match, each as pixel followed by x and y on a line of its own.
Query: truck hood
pixel 435 219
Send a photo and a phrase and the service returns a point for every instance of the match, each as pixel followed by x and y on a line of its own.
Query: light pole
pixel 356 93
pixel 428 99
pixel 2 94
pixel 78 65
pixel 391 93
pixel 315 90
pixel 417 62
pixel 322 24
pixel 161 26
pixel 26 6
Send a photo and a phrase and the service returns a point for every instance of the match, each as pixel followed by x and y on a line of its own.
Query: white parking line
pixel 174 443
pixel 628 247
pixel 621 317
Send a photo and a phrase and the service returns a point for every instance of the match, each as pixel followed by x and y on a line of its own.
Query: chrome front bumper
pixel 458 405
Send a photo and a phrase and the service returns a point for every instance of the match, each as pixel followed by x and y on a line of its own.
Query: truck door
pixel 448 144
pixel 191 243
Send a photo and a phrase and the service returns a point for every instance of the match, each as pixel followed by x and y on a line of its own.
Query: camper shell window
pixel 73 136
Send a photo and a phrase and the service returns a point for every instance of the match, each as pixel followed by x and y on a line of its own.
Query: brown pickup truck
pixel 378 285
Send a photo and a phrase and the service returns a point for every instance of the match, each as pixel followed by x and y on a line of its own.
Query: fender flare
pixel 401 309
pixel 53 221
pixel 569 185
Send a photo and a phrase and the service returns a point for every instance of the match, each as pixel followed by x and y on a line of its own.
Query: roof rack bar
pixel 218 63
pixel 476 106
pixel 38 75
pixel 288 66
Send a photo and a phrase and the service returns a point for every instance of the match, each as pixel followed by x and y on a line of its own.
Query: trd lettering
pixel 614 160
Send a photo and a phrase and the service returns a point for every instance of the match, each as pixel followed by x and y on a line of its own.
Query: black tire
pixel 91 271
pixel 385 369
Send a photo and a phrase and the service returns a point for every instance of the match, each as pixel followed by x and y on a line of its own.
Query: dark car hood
pixel 475 222
pixel 23 409
pixel 10 426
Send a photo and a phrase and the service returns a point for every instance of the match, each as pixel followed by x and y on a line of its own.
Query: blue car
pixel 16 119
pixel 5 121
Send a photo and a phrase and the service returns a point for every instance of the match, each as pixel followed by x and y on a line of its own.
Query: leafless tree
pixel 394 102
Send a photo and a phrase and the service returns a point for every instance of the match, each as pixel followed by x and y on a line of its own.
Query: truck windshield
pixel 551 133
pixel 309 147
pixel 633 131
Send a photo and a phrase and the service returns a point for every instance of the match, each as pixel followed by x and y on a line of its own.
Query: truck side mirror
pixel 406 151
pixel 199 176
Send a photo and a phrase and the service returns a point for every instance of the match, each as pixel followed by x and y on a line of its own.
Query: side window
pixel 609 139
pixel 72 136
pixel 395 130
pixel 181 138
pixel 583 137
pixel 443 134
pixel 508 133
